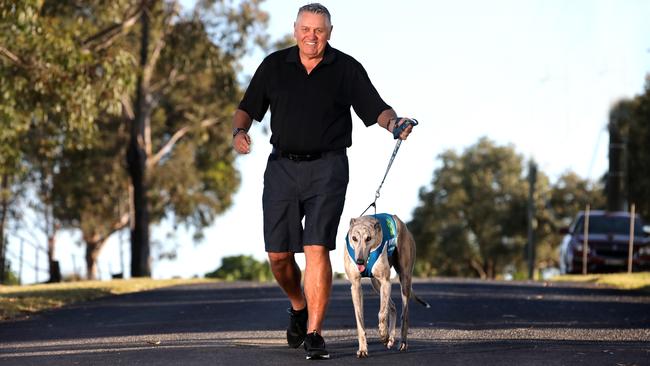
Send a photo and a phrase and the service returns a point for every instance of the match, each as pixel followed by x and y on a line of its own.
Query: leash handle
pixel 397 130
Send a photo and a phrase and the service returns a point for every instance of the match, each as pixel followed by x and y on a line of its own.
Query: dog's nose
pixel 360 261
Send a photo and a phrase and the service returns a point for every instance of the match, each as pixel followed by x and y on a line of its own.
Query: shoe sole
pixel 318 357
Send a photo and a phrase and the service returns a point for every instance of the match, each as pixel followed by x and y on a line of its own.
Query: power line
pixel 595 153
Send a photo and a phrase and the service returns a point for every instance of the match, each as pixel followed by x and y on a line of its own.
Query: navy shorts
pixel 313 190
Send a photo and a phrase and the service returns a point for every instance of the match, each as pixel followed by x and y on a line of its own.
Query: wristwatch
pixel 237 130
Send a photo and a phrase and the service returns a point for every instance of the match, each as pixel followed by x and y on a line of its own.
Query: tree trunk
pixel 55 269
pixel 4 209
pixel 478 267
pixel 93 247
pixel 137 158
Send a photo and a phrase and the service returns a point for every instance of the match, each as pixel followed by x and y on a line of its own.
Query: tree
pixel 472 221
pixel 56 75
pixel 189 166
pixel 242 267
pixel 475 214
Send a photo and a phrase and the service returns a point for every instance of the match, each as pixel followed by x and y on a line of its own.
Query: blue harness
pixel 388 242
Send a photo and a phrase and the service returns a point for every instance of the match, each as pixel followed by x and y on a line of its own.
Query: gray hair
pixel 316 8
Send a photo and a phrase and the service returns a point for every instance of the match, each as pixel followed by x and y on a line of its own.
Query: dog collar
pixel 388 242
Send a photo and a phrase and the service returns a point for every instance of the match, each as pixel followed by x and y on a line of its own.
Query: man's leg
pixel 287 273
pixel 318 284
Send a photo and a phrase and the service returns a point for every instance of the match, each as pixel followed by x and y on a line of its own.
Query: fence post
pixel 585 242
pixel 20 262
pixel 630 250
pixel 36 267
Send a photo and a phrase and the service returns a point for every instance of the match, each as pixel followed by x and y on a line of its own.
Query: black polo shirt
pixel 311 112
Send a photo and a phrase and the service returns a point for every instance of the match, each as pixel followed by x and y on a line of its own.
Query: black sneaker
pixel 297 329
pixel 315 347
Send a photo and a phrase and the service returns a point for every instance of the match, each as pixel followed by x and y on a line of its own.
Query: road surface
pixel 470 323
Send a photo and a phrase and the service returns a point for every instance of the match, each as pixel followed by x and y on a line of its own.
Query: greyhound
pixel 374 244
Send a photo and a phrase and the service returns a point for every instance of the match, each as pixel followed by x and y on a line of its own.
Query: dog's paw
pixel 362 353
pixel 389 342
pixel 383 338
pixel 404 346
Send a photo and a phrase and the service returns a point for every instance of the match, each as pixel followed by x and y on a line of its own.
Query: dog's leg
pixel 392 316
pixel 384 309
pixel 357 300
pixel 405 283
pixel 406 263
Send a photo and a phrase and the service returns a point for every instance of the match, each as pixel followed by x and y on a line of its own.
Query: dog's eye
pixel 354 238
pixel 368 239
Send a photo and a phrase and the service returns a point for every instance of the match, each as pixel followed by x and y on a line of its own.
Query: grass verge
pixel 20 301
pixel 631 281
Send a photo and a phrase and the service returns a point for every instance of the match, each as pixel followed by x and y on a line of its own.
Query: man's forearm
pixel 241 119
pixel 387 119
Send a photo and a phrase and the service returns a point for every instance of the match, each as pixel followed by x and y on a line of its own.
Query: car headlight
pixel 644 250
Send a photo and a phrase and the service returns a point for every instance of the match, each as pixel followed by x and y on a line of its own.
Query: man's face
pixel 312 31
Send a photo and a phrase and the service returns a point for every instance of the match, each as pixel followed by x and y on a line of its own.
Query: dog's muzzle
pixel 361 264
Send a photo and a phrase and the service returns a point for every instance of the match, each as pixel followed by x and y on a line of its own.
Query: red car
pixel 608 245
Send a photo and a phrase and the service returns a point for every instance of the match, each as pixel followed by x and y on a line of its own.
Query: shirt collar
pixel 328 57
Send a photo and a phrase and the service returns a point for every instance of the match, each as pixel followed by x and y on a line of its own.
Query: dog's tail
pixel 419 300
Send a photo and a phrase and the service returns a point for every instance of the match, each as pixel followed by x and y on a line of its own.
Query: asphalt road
pixel 470 323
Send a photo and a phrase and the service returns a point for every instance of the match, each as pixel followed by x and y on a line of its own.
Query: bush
pixel 242 267
pixel 10 277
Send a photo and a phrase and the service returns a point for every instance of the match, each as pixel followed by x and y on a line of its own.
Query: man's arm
pixel 241 142
pixel 388 119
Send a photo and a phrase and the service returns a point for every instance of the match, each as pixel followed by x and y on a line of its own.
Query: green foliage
pixel 242 267
pixel 10 276
pixel 473 221
pixel 632 118
pixel 67 78
pixel 48 76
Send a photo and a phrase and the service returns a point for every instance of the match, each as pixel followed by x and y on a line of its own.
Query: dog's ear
pixel 377 226
pixel 353 221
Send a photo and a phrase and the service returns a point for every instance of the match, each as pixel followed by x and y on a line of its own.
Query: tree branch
pixel 105 37
pixel 174 139
pixel 117 226
pixel 12 57
pixel 127 107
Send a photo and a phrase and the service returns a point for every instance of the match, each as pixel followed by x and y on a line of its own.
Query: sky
pixel 540 75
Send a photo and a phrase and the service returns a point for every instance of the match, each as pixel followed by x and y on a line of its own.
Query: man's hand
pixel 396 122
pixel 242 142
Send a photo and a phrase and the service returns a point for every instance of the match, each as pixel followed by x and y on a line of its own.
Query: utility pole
pixel 616 174
pixel 532 179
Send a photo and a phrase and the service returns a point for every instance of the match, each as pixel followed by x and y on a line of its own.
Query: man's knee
pixel 281 259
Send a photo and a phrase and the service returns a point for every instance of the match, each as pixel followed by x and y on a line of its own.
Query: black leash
pixel 396 132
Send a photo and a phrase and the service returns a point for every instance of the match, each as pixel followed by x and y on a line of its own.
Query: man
pixel 309 88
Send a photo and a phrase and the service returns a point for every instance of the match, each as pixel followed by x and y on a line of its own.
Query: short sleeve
pixel 255 101
pixel 366 101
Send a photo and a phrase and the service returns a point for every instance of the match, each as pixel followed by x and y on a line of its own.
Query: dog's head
pixel 364 235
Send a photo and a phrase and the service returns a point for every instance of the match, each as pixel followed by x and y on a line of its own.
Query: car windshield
pixel 609 225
